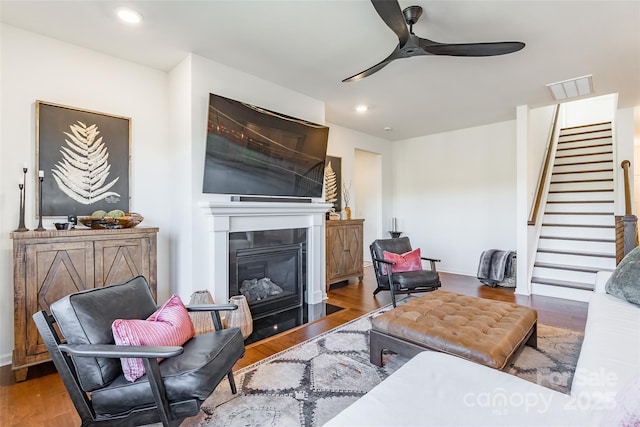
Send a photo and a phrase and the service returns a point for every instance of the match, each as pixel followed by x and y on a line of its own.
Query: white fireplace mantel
pixel 226 217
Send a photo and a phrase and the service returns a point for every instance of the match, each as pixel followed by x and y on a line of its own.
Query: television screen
pixel 254 151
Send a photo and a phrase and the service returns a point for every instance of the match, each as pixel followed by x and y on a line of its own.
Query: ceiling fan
pixel 411 45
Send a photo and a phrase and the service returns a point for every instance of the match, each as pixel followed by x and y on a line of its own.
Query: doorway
pixel 368 196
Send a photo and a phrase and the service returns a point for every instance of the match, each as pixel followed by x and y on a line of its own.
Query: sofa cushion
pixel 408 261
pixel 416 279
pixel 86 318
pixel 206 360
pixel 624 283
pixel 627 409
pixel 169 325
pixel 610 353
pixel 436 389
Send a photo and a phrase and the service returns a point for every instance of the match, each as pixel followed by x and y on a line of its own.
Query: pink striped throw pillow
pixel 169 325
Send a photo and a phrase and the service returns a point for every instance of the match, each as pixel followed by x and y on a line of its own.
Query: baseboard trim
pixel 5 359
pixel 459 273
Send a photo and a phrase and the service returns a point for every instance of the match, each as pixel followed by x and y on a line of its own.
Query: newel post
pixel 628 223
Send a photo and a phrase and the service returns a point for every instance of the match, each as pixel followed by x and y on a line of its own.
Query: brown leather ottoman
pixel 477 329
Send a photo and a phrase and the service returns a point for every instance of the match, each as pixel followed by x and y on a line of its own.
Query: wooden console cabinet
pixel 344 250
pixel 48 265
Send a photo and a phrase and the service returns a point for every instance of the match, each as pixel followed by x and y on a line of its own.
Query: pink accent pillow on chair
pixel 408 261
pixel 168 325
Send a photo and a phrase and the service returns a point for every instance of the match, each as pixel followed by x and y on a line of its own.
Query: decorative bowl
pixel 127 221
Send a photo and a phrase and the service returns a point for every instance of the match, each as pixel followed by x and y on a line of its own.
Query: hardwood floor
pixel 42 399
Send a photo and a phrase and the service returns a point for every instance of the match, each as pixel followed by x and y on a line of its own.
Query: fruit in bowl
pixel 112 219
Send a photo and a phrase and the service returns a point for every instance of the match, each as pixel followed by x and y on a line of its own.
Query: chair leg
pixel 157 389
pixel 232 383
pixel 378 289
pixel 393 296
pixel 375 348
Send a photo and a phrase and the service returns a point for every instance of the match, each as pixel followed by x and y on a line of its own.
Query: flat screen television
pixel 258 152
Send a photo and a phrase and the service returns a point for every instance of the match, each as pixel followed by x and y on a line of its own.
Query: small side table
pixel 395 234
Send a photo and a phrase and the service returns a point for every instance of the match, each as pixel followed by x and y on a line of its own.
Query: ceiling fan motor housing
pixel 412 14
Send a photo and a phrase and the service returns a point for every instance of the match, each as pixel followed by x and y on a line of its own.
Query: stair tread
pixel 578 239
pixel 591 162
pixel 580 201
pixel 571 267
pixel 583 171
pixel 579 213
pixel 584 155
pixel 574 181
pixel 562 283
pixel 582 147
pixel 578 225
pixel 586 142
pixel 582 191
pixel 578 253
pixel 585 126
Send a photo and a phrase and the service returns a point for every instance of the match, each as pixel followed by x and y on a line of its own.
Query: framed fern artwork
pixel 333 182
pixel 85 159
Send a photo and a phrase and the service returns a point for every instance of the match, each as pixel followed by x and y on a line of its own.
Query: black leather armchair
pixel 89 365
pixel 405 282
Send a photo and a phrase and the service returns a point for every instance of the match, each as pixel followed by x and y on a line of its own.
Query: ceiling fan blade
pixel 391 14
pixel 470 49
pixel 379 66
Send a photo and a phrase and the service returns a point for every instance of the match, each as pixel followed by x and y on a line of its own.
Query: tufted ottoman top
pixel 477 329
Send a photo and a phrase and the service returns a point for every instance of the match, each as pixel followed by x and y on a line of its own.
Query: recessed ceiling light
pixel 572 88
pixel 129 16
pixel 387 128
pixel 361 108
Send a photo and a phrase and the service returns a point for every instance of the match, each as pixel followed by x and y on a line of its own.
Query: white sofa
pixel 435 389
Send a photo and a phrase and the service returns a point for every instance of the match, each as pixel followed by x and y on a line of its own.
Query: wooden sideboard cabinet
pixel 47 265
pixel 344 250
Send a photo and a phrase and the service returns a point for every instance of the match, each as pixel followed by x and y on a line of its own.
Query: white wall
pixel 455 193
pixel 40 68
pixel 589 110
pixel 344 142
pixel 368 197
pixel 536 126
pixel 180 111
pixel 540 121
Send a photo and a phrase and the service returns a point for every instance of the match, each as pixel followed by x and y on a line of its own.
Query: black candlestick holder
pixel 21 227
pixel 40 227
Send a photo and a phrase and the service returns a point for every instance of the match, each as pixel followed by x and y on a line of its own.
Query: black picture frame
pixel 85 159
pixel 336 165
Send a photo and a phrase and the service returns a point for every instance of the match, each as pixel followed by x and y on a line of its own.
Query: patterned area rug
pixel 311 382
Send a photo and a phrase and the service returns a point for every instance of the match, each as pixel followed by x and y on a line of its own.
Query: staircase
pixel 577 236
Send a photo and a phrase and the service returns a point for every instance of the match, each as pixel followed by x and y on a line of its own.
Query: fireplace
pixel 240 225
pixel 268 268
pixel 225 218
